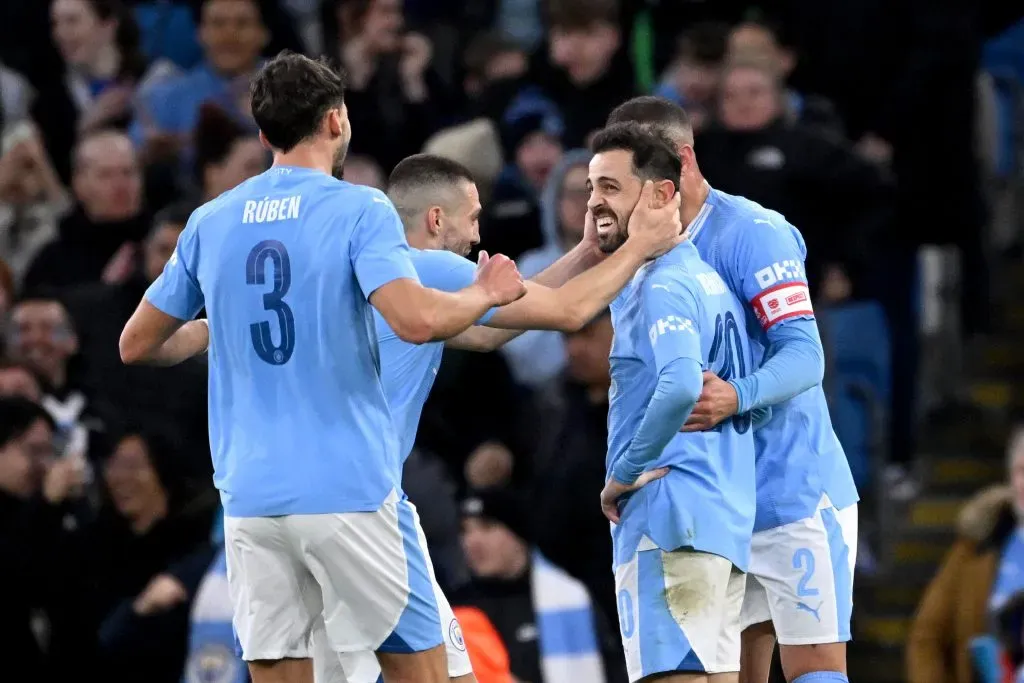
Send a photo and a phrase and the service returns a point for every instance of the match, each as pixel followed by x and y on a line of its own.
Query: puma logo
pixel 811 610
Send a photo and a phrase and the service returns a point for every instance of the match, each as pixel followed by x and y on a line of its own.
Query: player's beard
pixel 610 241
pixel 338 166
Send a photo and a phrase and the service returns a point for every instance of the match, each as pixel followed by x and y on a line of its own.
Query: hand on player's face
pixel 657 228
pixel 500 278
pixel 717 402
pixel 614 490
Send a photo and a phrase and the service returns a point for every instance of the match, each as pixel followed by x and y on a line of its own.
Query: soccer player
pixel 682 504
pixel 287 266
pixel 439 205
pixel 800 582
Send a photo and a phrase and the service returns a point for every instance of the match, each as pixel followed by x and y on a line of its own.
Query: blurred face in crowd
pixel 134 485
pixel 41 337
pixel 23 460
pixel 1016 458
pixel 492 551
pixel 232 35
pixel 362 170
pixel 246 159
pixel 751 40
pixel 536 155
pixel 697 82
pixel 159 247
pixel 80 35
pixel 380 26
pixel 614 192
pixel 18 381
pixel 107 180
pixel 587 352
pixel 460 222
pixel 750 99
pixel 572 205
pixel 584 52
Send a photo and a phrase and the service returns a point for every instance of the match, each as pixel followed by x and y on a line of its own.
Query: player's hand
pixel 590 235
pixel 655 230
pixel 718 401
pixel 162 593
pixel 614 490
pixel 500 279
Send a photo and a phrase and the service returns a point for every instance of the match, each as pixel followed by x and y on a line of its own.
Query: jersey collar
pixel 698 221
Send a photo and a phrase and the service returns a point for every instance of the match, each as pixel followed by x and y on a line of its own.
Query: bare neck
pixel 419 238
pixel 695 193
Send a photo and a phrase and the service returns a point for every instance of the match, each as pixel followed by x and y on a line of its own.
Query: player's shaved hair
pixel 424 180
pixel 654 155
pixel 658 113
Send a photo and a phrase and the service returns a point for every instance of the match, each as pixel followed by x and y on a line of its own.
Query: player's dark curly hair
pixel 291 94
pixel 654 155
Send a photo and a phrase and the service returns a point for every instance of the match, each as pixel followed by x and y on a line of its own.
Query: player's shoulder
pixel 743 218
pixel 431 259
pixel 677 272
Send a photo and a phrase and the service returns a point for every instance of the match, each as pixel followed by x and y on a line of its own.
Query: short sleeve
pixel 672 312
pixel 176 291
pixel 378 249
pixel 448 272
pixel 770 267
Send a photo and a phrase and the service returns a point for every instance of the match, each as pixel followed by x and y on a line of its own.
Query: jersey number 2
pixel 726 358
pixel 281 272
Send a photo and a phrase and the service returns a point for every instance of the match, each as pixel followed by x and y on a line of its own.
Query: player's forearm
pixel 679 386
pixel 796 362
pixel 191 339
pixel 482 339
pixel 574 304
pixel 579 259
pixel 447 314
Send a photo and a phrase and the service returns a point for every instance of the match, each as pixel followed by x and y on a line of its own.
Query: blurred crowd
pixel 865 123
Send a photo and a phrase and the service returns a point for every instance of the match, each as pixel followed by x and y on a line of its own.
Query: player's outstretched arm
pixel 419 314
pixel 654 228
pixel 154 338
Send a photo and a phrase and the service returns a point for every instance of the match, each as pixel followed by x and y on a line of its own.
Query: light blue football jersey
pixel 284 265
pixel 761 258
pixel 675 308
pixel 408 370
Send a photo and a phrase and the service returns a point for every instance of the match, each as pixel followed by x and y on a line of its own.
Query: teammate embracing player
pixel 800 581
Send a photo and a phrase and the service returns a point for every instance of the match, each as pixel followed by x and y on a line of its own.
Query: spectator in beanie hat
pixel 531 129
pixel 542 615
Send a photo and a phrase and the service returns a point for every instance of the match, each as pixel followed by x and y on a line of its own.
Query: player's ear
pixel 664 190
pixel 434 220
pixel 264 141
pixel 334 124
pixel 689 159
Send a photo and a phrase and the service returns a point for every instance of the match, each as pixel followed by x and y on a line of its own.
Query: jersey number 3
pixel 726 359
pixel 281 273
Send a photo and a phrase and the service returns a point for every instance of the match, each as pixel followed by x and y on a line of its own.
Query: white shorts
pixel 679 611
pixel 367 574
pixel 362 667
pixel 801 577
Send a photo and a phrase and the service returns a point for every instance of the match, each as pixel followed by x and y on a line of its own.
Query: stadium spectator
pixel 592 73
pixel 98 42
pixel 233 34
pixel 394 96
pixel 979 576
pixel 226 153
pixel 172 397
pixel 692 79
pixel 152 523
pixel 761 39
pixel 536 608
pixel 491 57
pixel 97 240
pixel 838 200
pixel 32 198
pixel 530 131
pixel 42 338
pixel 537 356
pixel 7 289
pixel 363 170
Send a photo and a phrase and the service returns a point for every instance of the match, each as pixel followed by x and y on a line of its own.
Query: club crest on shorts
pixel 213 663
pixel 455 635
